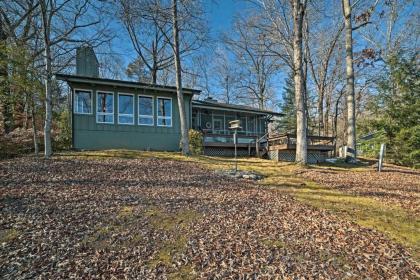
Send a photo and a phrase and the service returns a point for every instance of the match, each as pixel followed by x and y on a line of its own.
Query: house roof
pixel 232 107
pixel 122 83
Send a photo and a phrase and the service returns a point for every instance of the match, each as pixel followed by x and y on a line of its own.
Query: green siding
pixel 87 134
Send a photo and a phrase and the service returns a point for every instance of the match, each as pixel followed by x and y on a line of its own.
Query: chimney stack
pixel 86 62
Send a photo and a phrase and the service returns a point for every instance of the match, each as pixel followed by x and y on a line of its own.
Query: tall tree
pixel 256 63
pixel 185 146
pixel 149 33
pixel 299 8
pixel 287 107
pixel 60 23
pixel 16 29
pixel 351 102
pixel 226 76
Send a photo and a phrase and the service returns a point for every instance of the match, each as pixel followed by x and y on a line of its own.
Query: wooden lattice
pixel 225 152
pixel 289 155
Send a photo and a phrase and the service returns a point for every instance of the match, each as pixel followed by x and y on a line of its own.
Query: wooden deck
pixel 226 140
pixel 288 142
pixel 260 145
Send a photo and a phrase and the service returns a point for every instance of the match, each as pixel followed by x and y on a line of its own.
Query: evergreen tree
pixel 287 107
pixel 397 110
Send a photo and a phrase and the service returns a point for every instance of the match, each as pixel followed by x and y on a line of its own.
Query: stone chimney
pixel 86 62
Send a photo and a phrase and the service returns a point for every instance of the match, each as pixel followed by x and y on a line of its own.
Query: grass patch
pixel 165 254
pixel 274 243
pixel 392 220
pixel 162 220
pixel 102 236
pixel 8 235
pixel 176 224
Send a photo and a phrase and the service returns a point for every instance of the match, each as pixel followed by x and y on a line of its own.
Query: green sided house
pixel 116 114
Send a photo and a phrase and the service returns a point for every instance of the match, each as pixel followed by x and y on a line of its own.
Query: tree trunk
pixel 182 117
pixel 25 111
pixel 351 107
pixel 320 109
pixel 48 75
pixel 327 114
pixel 34 129
pixel 301 125
pixel 48 105
pixel 154 76
pixel 7 116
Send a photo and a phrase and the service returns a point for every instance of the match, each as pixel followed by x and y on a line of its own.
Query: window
pixel 82 101
pixel 218 124
pixel 145 110
pixel 164 109
pixel 251 125
pixel 125 108
pixel 105 107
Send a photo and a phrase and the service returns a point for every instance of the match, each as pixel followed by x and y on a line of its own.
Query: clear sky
pixel 221 14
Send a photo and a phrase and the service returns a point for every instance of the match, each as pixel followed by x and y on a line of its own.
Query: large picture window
pixel 164 111
pixel 125 108
pixel 82 101
pixel 105 107
pixel 145 110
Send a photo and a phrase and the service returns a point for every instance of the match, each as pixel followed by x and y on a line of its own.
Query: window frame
pixel 105 114
pixel 157 111
pixel 138 110
pixel 118 108
pixel 75 105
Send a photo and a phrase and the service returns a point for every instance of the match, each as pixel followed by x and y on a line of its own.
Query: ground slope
pixel 153 218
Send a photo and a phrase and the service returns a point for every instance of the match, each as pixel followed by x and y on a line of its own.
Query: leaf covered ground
pixel 149 218
pixel 394 185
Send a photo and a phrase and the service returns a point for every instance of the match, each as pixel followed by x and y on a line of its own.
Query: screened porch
pixel 215 126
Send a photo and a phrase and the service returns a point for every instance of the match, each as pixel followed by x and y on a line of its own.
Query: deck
pixel 288 142
pixel 223 145
pixel 281 146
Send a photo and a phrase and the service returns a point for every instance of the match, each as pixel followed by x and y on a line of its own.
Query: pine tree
pixel 287 107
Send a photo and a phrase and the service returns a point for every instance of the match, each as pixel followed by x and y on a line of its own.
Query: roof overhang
pixel 234 108
pixel 119 83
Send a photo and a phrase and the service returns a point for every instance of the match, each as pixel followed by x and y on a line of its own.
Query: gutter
pixel 110 82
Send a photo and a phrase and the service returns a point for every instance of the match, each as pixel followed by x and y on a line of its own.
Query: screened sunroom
pixel 212 118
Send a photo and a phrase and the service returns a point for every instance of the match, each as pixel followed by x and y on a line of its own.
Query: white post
pixel 381 157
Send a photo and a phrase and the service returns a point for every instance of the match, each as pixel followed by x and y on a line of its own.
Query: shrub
pixel 407 146
pixel 196 141
pixel 62 140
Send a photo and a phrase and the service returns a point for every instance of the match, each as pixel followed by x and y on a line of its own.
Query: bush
pixel 62 140
pixel 407 146
pixel 196 142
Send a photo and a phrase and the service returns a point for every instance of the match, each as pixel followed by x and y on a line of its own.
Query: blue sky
pixel 221 13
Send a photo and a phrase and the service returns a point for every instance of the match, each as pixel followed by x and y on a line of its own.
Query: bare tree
pixel 180 94
pixel 188 34
pixel 351 103
pixel 149 34
pixel 257 64
pixel 226 75
pixel 299 8
pixel 60 23
pixel 322 49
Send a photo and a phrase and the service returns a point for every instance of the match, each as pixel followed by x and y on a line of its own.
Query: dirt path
pixel 151 218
